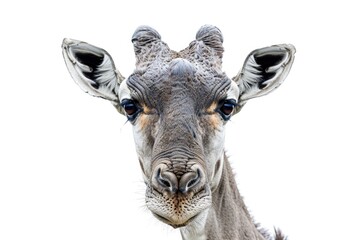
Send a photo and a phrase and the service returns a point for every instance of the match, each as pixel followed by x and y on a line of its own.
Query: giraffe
pixel 178 104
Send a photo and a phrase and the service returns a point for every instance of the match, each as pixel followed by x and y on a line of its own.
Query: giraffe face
pixel 178 126
pixel 178 104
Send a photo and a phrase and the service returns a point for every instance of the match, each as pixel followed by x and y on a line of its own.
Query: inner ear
pixel 90 59
pixel 93 61
pixel 269 59
pixel 265 61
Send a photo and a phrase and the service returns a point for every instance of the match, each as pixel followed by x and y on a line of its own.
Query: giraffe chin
pixel 175 224
pixel 177 210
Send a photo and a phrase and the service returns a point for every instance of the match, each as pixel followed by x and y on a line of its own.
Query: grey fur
pixel 180 102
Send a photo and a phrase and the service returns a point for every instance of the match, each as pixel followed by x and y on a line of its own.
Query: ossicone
pixel 212 37
pixel 144 35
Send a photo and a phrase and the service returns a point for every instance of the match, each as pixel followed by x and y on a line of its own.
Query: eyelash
pixel 226 108
pixel 131 108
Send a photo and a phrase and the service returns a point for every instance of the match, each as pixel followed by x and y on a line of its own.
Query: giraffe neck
pixel 227 218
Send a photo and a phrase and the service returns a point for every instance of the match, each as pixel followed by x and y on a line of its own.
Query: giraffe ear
pixel 93 69
pixel 264 70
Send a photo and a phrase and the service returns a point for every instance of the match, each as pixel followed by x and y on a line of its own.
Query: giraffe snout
pixel 166 180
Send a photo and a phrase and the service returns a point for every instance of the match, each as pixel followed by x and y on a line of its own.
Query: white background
pixel 68 168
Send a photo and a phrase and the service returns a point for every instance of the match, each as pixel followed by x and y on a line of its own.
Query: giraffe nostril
pixel 190 181
pixel 195 180
pixel 166 180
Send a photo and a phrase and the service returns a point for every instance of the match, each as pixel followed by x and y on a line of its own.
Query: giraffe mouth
pixel 177 211
pixel 171 223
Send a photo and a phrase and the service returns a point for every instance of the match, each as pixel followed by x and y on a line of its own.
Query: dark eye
pixel 226 108
pixel 131 108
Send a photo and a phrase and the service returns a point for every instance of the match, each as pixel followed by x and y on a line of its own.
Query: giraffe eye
pixel 131 108
pixel 226 108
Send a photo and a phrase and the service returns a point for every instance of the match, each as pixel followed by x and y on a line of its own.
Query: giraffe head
pixel 178 104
